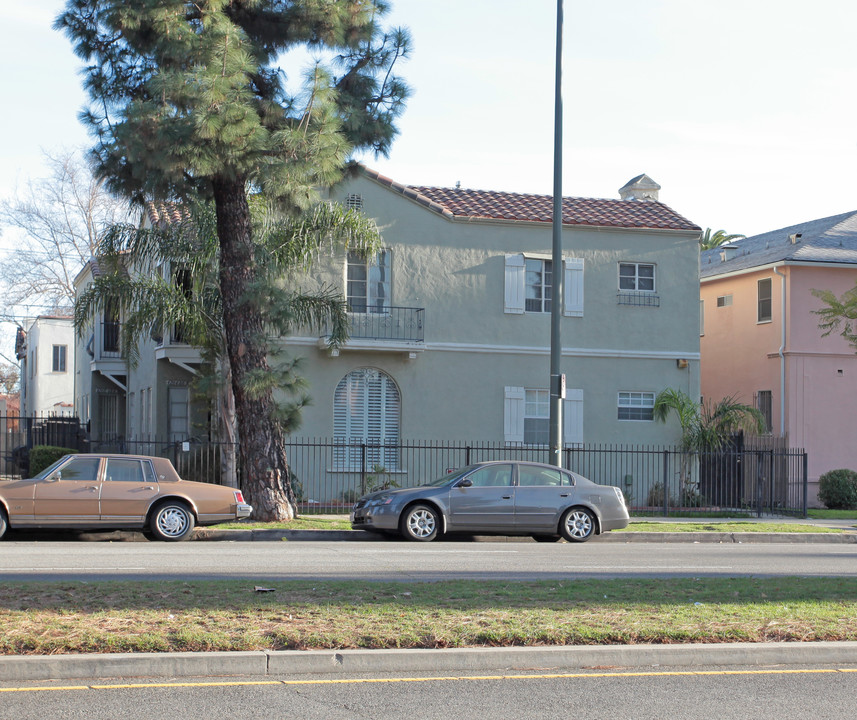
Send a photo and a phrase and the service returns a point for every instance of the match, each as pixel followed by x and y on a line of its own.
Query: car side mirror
pixel 55 477
pixel 466 482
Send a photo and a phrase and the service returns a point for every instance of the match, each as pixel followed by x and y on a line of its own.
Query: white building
pixel 46 352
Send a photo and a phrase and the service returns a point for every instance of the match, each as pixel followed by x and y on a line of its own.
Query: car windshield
pixel 48 470
pixel 449 477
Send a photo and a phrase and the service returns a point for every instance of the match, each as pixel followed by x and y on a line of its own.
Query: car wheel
pixel 172 521
pixel 577 525
pixel 4 523
pixel 547 538
pixel 421 523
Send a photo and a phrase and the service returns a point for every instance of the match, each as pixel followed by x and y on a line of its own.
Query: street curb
pixel 205 534
pixel 29 668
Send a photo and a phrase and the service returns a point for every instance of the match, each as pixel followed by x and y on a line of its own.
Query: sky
pixel 744 111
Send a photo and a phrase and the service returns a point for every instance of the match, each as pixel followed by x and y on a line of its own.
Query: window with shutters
pixel 366 413
pixel 529 285
pixel 368 283
pixel 526 416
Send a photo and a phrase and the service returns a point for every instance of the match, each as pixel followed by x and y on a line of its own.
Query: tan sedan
pixel 109 492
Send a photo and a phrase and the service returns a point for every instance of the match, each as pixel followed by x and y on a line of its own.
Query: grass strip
pixel 73 617
pixel 725 527
pixel 309 522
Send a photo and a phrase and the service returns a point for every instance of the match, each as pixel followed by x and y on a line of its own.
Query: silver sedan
pixel 497 498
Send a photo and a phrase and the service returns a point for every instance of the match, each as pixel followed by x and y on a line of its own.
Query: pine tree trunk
pixel 267 483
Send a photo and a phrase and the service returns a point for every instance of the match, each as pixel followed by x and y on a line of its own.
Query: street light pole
pixel 557 389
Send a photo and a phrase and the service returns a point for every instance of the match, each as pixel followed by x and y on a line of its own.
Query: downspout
pixel 782 355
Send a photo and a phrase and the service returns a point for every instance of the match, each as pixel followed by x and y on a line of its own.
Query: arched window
pixel 366 411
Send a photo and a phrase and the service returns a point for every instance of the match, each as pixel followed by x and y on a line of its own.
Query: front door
pixel 70 494
pixel 488 504
pixel 127 491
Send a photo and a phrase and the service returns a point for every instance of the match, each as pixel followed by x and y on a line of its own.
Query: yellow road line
pixel 439 678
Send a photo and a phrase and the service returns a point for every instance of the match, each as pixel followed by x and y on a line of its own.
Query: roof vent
pixel 794 238
pixel 641 187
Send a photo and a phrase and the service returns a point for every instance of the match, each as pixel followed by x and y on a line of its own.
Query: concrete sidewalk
pixel 33 668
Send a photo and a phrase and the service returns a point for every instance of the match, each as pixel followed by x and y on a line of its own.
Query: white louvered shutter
pixel 514 278
pixel 366 410
pixel 572 430
pixel 513 415
pixel 573 287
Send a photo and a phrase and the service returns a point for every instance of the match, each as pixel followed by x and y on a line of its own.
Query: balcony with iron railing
pixel 397 329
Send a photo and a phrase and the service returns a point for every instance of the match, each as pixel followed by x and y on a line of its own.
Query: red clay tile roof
pixel 489 205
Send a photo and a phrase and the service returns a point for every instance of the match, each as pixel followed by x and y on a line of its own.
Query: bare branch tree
pixel 56 222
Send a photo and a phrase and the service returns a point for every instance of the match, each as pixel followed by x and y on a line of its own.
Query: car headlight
pixel 381 500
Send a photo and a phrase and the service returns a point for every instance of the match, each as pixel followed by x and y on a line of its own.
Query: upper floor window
pixel 529 285
pixel 368 282
pixel 539 280
pixel 637 276
pixel 354 201
pixel 636 405
pixel 764 304
pixel 59 358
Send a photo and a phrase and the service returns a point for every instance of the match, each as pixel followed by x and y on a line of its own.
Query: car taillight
pixel 239 497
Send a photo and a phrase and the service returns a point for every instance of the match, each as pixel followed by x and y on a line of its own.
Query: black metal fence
pixel 755 480
pixel 330 474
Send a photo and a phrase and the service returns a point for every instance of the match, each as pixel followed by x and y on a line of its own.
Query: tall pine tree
pixel 189 102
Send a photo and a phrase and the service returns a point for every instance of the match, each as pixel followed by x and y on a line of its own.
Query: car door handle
pixel 563 494
pixel 92 487
pixel 507 497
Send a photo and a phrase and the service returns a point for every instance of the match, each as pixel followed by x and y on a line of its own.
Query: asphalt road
pixel 699 692
pixel 402 561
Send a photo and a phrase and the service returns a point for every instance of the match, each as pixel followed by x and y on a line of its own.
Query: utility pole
pixel 557 384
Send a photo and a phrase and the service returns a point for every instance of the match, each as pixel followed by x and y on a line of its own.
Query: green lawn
pixel 66 617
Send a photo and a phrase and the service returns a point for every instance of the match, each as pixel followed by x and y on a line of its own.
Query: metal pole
pixel 556 390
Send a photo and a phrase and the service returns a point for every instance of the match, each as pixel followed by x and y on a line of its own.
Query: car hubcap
pixel 172 522
pixel 579 524
pixel 421 524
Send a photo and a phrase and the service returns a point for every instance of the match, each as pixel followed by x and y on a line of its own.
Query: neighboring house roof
pixel 827 240
pixel 462 204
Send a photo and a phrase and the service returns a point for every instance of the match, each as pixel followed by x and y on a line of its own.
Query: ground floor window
pixel 366 413
pixel 636 405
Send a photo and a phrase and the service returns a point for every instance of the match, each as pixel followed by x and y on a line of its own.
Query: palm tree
pixel 710 240
pixel 188 299
pixel 705 427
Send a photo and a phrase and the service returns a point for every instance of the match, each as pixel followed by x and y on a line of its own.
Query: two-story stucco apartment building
pixel 761 339
pixel 451 320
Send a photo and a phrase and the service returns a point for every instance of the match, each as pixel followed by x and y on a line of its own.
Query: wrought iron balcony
pixel 396 324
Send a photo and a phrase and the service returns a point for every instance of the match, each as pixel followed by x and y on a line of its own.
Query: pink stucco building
pixel 761 343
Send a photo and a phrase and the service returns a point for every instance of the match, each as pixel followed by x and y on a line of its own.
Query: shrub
pixel 838 489
pixel 42 456
pixel 655 497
